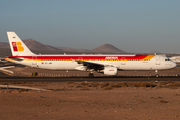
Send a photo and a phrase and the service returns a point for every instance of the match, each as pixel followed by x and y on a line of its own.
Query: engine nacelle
pixel 110 70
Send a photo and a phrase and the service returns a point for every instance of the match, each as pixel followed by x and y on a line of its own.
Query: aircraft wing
pixel 90 65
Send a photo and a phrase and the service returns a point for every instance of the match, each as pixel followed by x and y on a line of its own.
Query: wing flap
pixel 90 65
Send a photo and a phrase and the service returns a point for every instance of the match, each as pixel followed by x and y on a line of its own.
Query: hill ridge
pixel 38 47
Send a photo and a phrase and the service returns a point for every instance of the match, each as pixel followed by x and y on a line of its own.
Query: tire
pixel 91 75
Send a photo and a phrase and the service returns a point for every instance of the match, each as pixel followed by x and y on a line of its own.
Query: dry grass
pixel 173 85
pixel 105 84
pixel 134 84
pixel 157 97
pixel 79 86
pixel 117 85
pixel 22 90
pixel 163 101
pixel 100 85
pixel 107 88
pixel 84 88
pixel 94 84
pixel 163 83
pixel 177 94
pixel 70 82
pixel 144 84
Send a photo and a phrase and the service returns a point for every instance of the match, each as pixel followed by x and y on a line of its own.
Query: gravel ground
pixel 92 101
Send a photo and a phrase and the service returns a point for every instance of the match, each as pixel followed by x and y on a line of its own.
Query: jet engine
pixel 110 70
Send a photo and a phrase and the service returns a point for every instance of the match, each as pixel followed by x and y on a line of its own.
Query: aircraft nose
pixel 173 64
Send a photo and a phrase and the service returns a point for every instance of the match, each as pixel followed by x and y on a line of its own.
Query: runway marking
pixel 8 71
pixel 22 87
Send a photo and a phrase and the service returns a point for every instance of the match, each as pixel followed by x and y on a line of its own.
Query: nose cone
pixel 173 64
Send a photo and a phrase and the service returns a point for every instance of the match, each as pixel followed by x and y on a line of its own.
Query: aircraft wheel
pixel 91 75
pixel 157 75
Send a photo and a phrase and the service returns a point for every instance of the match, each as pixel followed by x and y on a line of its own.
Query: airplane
pixel 106 64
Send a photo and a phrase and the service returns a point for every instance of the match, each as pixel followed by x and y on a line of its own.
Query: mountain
pixel 34 45
pixel 4 45
pixel 106 48
pixel 38 47
pixel 72 50
pixel 5 52
pixel 152 52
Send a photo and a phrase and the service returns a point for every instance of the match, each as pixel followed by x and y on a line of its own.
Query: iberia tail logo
pixel 17 46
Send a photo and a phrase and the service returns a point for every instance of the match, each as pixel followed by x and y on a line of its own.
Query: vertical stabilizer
pixel 18 48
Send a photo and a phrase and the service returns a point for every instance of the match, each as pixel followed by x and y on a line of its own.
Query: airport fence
pixel 36 74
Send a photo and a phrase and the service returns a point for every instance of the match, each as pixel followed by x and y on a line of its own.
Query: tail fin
pixel 18 48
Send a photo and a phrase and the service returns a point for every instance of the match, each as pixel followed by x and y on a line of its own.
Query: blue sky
pixel 130 25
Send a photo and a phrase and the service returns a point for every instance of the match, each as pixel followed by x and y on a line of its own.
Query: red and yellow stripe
pixel 84 58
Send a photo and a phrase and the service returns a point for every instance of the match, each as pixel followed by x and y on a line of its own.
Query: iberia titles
pixel 111 57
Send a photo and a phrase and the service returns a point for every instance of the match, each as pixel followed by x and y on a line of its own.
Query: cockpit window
pixel 168 59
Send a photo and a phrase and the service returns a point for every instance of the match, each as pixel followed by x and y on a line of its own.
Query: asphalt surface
pixel 3 74
pixel 6 78
pixel 81 79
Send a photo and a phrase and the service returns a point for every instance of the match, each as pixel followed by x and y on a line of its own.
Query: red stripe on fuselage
pixel 84 57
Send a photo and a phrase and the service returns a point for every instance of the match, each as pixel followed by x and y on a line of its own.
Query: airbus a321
pixel 106 64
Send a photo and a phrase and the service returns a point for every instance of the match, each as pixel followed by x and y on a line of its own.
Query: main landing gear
pixel 156 71
pixel 91 75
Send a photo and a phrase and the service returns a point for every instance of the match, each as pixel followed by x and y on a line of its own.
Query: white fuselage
pixel 158 62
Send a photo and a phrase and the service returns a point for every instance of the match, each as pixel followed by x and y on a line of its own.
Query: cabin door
pixel 157 60
pixel 34 61
pixel 80 59
pixel 123 61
